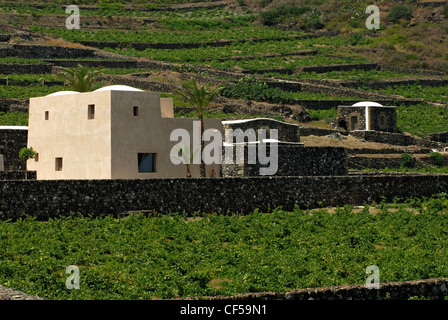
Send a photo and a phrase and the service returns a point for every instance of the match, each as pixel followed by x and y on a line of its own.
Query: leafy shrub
pixel 399 12
pixel 357 39
pixel 282 13
pixel 437 158
pixel 252 89
pixel 15 118
pixel 445 11
pixel 317 23
pixel 407 161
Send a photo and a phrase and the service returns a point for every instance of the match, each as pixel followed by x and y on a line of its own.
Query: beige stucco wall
pixel 147 133
pixel 84 145
pixel 107 146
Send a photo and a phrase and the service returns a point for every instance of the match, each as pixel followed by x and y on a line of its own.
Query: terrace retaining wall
pixel 391 161
pixel 94 63
pixel 395 139
pixel 10 68
pixel 11 105
pixel 44 52
pixel 294 160
pixel 435 289
pixel 50 198
pixel 11 141
pixel 438 136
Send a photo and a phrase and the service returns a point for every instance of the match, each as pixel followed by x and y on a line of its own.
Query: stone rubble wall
pixel 45 199
pixel 11 294
pixel 435 289
pixel 11 141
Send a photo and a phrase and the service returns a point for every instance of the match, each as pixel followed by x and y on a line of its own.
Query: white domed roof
pixel 60 93
pixel 367 104
pixel 118 88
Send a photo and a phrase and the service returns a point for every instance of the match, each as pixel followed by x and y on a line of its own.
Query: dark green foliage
pixel 437 158
pixel 445 11
pixel 282 13
pixel 407 161
pixel 16 118
pixel 399 12
pixel 27 153
pixel 169 256
pixel 252 89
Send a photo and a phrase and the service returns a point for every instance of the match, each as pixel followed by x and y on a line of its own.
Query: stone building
pixel 285 154
pixel 365 116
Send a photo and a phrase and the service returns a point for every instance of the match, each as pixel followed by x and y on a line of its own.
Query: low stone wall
pixel 51 198
pixel 435 289
pixel 439 137
pixel 182 45
pixel 319 132
pixel 397 150
pixel 340 67
pixel 391 161
pixel 386 83
pixel 348 92
pixel 11 141
pixel 394 139
pixel 329 104
pixel 295 160
pixel 11 105
pixel 44 52
pixel 17 175
pixel 10 68
pixel 11 294
pixel 94 63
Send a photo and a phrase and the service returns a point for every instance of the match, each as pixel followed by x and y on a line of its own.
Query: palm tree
pixel 80 78
pixel 200 98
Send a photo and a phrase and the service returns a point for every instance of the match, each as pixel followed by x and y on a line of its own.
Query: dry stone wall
pixel 11 141
pixel 44 52
pixel 435 289
pixel 51 198
pixel 295 160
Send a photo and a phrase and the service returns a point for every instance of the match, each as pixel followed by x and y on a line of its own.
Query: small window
pixel 36 157
pixel 91 111
pixel 47 115
pixel 146 162
pixel 58 164
pixel 135 111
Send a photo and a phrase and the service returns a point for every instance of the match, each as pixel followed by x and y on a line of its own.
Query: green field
pixel 141 257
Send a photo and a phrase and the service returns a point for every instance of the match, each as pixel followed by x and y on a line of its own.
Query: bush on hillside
pixel 399 12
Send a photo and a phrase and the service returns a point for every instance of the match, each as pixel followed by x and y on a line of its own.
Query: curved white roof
pixel 60 93
pixel 367 104
pixel 255 119
pixel 13 127
pixel 118 88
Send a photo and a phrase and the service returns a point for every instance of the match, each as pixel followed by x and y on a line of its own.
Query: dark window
pixel 146 162
pixel 58 164
pixel 47 115
pixel 91 111
pixel 36 157
pixel 354 123
pixel 135 111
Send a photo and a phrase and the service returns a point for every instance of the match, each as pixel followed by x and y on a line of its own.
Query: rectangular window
pixel 91 111
pixel 36 157
pixel 354 123
pixel 146 162
pixel 47 115
pixel 58 164
pixel 135 111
